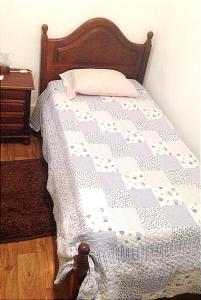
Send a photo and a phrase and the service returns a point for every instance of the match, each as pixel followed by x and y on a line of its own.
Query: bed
pixel 125 188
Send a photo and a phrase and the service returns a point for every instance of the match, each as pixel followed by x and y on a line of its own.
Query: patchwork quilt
pixel 123 181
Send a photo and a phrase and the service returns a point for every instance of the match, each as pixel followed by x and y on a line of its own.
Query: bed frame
pixel 98 43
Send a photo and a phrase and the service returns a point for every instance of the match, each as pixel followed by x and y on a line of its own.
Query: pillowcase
pixel 103 82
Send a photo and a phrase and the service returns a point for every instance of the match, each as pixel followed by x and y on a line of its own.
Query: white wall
pixel 176 66
pixel 172 75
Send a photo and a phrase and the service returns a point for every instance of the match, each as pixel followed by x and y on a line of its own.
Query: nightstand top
pixel 17 81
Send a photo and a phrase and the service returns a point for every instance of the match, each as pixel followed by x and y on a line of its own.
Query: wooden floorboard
pixel 28 268
pixel 19 151
pixel 9 271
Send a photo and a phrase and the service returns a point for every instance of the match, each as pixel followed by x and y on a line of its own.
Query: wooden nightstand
pixel 15 95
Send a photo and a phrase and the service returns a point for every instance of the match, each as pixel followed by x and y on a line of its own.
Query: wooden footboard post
pixel 80 269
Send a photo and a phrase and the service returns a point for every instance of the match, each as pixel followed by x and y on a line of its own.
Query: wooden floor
pixel 18 151
pixel 27 269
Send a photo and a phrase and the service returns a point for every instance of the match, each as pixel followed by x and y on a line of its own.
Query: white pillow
pixel 103 82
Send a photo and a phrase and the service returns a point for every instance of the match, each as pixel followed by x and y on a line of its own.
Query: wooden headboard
pixel 98 43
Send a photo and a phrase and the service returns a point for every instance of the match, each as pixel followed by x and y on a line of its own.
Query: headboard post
pixel 147 50
pixel 44 55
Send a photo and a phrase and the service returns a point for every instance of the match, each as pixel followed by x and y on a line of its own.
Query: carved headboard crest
pixel 98 43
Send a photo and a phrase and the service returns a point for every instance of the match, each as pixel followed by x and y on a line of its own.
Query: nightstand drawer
pixel 12 94
pixel 10 105
pixel 12 118
pixel 15 97
pixel 11 129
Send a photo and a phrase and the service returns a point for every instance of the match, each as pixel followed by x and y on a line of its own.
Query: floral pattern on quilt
pixel 132 189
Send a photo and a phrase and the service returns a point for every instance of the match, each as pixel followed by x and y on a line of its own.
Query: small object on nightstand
pixel 4 69
pixel 4 63
pixel 15 91
pixel 20 71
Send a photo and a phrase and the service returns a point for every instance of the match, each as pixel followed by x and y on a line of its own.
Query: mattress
pixel 123 181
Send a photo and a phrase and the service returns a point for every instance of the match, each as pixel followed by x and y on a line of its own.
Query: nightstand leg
pixel 26 142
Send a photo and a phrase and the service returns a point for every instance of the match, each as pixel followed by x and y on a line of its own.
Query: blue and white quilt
pixel 122 181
